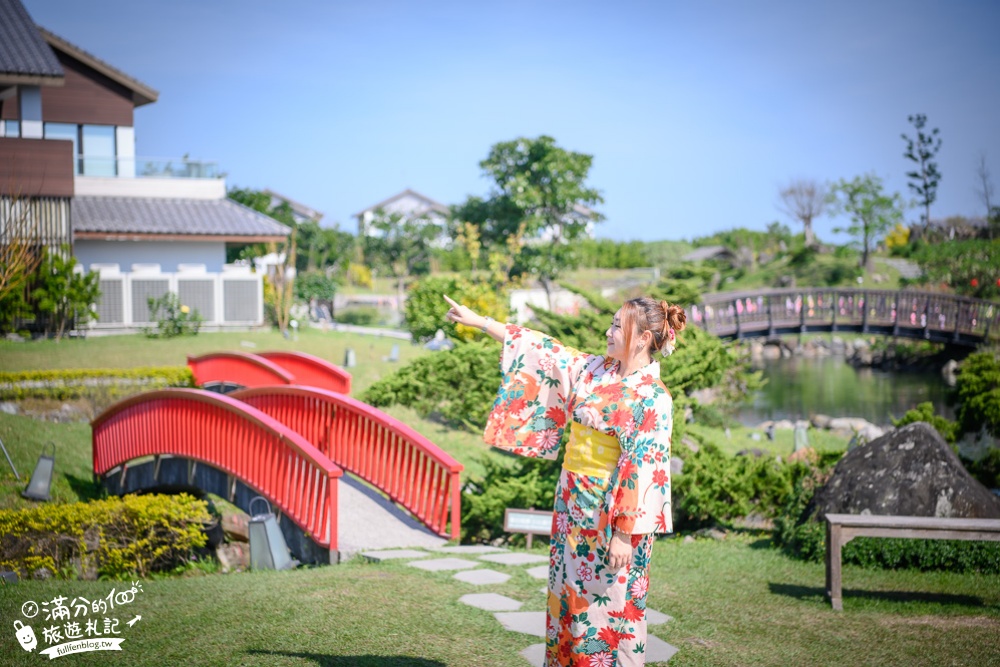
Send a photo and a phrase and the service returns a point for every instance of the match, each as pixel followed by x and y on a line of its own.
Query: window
pixel 12 128
pixel 99 150
pixel 66 131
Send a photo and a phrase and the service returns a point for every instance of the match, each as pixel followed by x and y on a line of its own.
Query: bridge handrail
pixel 310 370
pixel 229 435
pixel 240 368
pixel 380 449
pixel 931 315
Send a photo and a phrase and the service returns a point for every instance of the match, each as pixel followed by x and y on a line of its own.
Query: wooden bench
pixel 842 528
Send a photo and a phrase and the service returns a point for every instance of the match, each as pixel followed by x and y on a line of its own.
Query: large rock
pixel 909 472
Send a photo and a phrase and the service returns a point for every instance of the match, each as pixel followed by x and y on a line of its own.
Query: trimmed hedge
pixel 800 535
pixel 76 383
pixel 116 538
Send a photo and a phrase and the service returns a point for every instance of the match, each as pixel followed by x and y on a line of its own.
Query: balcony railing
pixel 145 167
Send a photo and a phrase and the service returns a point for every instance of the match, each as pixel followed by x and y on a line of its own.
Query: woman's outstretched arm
pixel 465 316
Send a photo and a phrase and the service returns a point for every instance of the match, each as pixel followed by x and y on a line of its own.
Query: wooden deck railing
pixel 929 315
pixel 376 447
pixel 229 435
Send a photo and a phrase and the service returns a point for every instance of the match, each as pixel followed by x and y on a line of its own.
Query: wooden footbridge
pixel 943 318
pixel 278 438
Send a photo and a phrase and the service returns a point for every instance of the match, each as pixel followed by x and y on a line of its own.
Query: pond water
pixel 799 387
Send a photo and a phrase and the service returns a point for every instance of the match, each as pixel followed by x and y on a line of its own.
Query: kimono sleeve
pixel 532 405
pixel 641 502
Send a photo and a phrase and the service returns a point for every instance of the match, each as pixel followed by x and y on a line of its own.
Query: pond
pixel 798 387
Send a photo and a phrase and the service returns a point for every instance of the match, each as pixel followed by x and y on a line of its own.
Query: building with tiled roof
pixel 68 156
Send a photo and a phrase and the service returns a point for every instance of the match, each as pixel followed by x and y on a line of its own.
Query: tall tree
pixel 400 246
pixel 540 194
pixel 804 200
pixel 872 211
pixel 921 150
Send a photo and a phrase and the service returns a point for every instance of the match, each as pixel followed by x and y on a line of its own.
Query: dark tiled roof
pixel 22 49
pixel 198 217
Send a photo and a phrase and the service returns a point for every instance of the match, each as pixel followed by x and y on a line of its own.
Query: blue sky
pixel 696 113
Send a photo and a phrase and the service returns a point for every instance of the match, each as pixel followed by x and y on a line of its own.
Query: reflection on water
pixel 799 387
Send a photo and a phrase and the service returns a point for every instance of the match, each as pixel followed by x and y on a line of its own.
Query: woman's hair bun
pixel 675 316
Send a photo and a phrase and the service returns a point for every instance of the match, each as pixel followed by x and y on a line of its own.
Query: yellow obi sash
pixel 591 452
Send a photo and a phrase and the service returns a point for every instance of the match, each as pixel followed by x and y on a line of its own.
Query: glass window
pixel 66 131
pixel 12 128
pixel 99 150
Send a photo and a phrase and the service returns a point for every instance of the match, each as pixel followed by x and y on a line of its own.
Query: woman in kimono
pixel 613 493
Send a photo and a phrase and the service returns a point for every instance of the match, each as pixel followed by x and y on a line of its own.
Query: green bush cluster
pixel 458 386
pixel 507 482
pixel 426 307
pixel 924 412
pixel 362 316
pixel 116 538
pixel 75 383
pixel 799 533
pixel 172 317
pixel 977 391
pixel 716 488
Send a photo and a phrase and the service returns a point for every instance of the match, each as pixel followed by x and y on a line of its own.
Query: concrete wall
pixel 168 255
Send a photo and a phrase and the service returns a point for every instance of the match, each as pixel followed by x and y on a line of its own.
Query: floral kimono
pixel 615 476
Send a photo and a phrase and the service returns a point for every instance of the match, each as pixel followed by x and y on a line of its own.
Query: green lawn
pixel 137 350
pixel 733 602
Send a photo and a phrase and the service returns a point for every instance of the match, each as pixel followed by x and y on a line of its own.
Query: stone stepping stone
pixel 482 577
pixel 490 602
pixel 528 622
pixel 470 549
pixel 535 654
pixel 389 554
pixel 654 617
pixel 658 650
pixel 540 572
pixel 440 564
pixel 515 559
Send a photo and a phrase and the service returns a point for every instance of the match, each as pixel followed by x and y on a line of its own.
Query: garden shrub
pixel 978 392
pixel 84 382
pixel 715 487
pixel 508 481
pixel 363 316
pixel 459 385
pixel 799 533
pixel 425 306
pixel 924 412
pixel 119 537
pixel 172 317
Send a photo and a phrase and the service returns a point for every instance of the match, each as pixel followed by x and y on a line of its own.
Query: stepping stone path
pixel 505 608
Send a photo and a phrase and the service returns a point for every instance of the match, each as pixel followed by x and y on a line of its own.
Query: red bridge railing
pixel 369 443
pixel 311 371
pixel 246 370
pixel 229 435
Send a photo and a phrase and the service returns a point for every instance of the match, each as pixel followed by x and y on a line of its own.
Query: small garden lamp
pixel 268 550
pixel 41 478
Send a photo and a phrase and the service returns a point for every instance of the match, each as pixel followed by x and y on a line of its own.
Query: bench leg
pixel 833 545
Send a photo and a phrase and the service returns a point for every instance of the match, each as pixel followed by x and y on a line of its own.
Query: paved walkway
pixel 471 565
pixel 366 519
pixel 906 268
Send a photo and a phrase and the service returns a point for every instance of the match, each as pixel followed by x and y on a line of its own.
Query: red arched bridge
pixel 288 443
pixel 226 371
pixel 943 318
